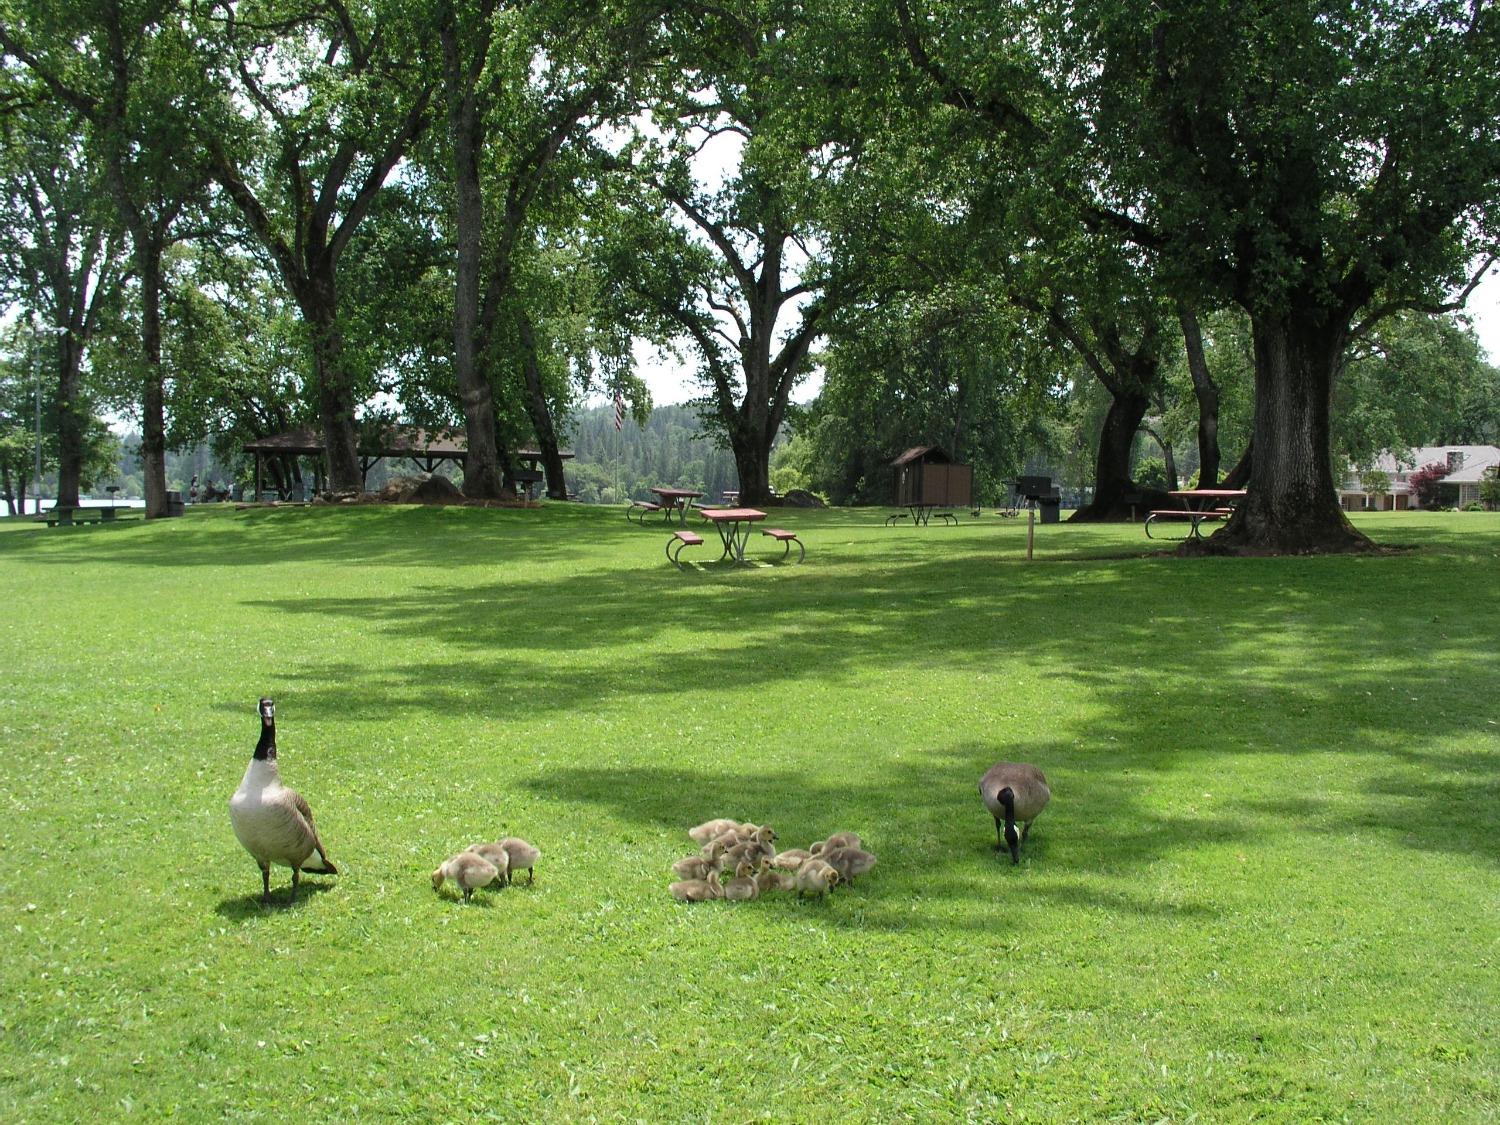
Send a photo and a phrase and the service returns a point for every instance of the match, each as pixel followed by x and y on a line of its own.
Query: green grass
pixel 1266 889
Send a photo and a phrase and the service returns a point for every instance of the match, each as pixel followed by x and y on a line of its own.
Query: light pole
pixel 37 489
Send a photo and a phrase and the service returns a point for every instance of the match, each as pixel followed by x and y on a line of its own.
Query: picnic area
pixel 1263 891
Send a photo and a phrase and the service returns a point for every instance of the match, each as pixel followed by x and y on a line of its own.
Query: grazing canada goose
pixel 712 829
pixel 273 822
pixel 743 887
pixel 849 862
pixel 1013 791
pixel 522 856
pixel 498 857
pixel 791 859
pixel 468 869
pixel 697 890
pixel 815 877
pixel 698 866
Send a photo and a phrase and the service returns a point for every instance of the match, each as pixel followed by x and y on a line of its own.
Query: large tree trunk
pixel 70 422
pixel 1207 393
pixel 1112 465
pixel 1293 505
pixel 465 128
pixel 541 413
pixel 318 302
pixel 153 397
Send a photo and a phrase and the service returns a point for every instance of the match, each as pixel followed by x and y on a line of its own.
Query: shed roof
pixel 921 453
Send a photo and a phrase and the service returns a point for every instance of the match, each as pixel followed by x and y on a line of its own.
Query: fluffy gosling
pixel 497 855
pixel 743 887
pixel 698 866
pixel 849 862
pixel 712 829
pixel 697 890
pixel 842 840
pixel 791 859
pixel 522 857
pixel 815 878
pixel 468 869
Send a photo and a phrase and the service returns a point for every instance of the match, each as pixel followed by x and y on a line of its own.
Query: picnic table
pixel 67 515
pixel 1199 506
pixel 733 525
pixel 921 513
pixel 675 500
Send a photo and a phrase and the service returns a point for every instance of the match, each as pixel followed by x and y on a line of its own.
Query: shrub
pixel 1424 484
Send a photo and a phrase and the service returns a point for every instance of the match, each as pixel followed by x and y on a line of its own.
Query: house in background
pixel 1467 467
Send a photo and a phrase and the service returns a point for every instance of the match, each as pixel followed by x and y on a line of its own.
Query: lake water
pixel 36 507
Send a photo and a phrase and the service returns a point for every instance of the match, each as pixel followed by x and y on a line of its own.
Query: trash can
pixel 1051 506
pixel 174 503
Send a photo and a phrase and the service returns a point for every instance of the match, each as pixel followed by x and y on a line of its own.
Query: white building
pixel 1467 467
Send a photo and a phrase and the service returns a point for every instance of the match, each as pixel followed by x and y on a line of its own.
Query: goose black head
pixel 265 749
pixel 1013 841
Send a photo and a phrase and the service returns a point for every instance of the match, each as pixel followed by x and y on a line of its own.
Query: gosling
pixel 849 862
pixel 522 855
pixel 816 878
pixel 1013 792
pixel 841 840
pixel 697 890
pixel 710 830
pixel 497 855
pixel 743 887
pixel 698 866
pixel 791 859
pixel 468 869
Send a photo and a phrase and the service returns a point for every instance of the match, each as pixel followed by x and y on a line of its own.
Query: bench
pixel 1212 515
pixel 786 539
pixel 679 540
pixel 890 520
pixel 640 509
pixel 66 516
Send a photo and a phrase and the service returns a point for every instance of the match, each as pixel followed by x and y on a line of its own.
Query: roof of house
pixel 1416 458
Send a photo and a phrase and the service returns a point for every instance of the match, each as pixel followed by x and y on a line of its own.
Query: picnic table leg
pixel 726 536
pixel 741 537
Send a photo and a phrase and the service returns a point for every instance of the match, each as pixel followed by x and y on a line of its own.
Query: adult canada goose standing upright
pixel 273 822
pixel 1013 791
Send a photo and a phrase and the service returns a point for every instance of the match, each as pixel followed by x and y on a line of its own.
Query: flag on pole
pixel 619 409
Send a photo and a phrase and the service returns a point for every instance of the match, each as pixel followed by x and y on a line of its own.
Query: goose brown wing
pixel 304 810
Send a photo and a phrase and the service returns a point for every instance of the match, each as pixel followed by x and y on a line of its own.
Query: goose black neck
pixel 1008 799
pixel 265 749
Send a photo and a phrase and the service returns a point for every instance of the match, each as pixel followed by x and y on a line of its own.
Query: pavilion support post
pixel 256 497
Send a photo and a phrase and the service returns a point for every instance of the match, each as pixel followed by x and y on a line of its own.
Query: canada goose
pixel 522 855
pixel 815 877
pixel 1013 791
pixel 848 862
pixel 698 866
pixel 273 822
pixel 468 869
pixel 711 829
pixel 498 857
pixel 697 890
pixel 743 887
pixel 791 859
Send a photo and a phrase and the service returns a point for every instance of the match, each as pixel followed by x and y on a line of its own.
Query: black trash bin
pixel 174 503
pixel 1051 506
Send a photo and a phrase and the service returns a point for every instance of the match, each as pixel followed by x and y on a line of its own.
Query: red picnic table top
pixel 676 493
pixel 732 515
pixel 1209 493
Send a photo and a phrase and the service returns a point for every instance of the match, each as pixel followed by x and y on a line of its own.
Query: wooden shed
pixel 927 477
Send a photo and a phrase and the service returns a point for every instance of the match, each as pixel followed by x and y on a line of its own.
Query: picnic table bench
pixel 786 539
pixel 679 540
pixel 1200 506
pixel 67 515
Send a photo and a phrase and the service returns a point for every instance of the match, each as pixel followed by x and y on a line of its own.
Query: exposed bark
pixel 1112 480
pixel 1293 507
pixel 317 300
pixel 541 412
pixel 1207 393
pixel 466 131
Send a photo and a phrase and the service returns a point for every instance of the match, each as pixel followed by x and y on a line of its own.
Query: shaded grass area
pixel 1265 891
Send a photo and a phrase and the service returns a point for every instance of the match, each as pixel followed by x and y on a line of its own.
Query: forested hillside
pixel 671 450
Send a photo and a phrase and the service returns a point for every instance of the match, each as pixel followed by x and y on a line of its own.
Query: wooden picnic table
pixel 676 500
pixel 1199 506
pixel 733 525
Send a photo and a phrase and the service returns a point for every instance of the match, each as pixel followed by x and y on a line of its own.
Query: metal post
pixel 37 484
pixel 1030 530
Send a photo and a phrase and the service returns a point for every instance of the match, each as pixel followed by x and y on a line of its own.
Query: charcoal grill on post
pixel 927 479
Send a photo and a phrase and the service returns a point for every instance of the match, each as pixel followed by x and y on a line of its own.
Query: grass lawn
pixel 1267 889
